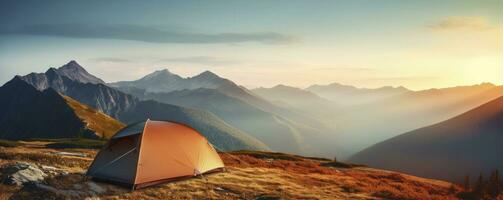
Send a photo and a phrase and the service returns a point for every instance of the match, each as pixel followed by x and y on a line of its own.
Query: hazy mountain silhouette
pixel 302 100
pixel 464 145
pixel 279 127
pixel 349 95
pixel 218 132
pixel 165 81
pixel 29 113
pixel 262 125
pixel 364 125
pixel 123 106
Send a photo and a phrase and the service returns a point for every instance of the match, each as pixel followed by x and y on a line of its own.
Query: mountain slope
pixel 128 108
pixel 389 117
pixel 279 127
pixel 219 133
pixel 104 125
pixel 29 113
pixel 162 82
pixel 72 80
pixel 464 145
pixel 299 99
pixel 260 124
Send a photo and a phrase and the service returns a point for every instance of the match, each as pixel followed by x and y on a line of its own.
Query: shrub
pixel 9 143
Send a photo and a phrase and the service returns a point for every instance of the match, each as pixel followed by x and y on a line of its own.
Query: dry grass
pixel 97 121
pixel 249 175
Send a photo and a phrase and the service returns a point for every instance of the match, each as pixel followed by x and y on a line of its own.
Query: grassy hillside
pixel 104 125
pixel 249 175
pixel 28 113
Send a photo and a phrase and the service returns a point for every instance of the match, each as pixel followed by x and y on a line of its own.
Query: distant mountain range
pixel 321 120
pixel 165 81
pixel 467 144
pixel 364 125
pixel 74 81
pixel 29 113
pixel 299 99
pixel 347 95
pixel 281 128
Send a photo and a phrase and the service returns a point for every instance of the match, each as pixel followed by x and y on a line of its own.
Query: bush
pixel 77 143
pixel 9 143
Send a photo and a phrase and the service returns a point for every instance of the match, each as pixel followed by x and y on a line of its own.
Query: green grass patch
pixel 275 155
pixel 9 143
pixel 75 143
pixel 341 165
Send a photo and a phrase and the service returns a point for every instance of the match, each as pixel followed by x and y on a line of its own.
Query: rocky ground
pixel 33 171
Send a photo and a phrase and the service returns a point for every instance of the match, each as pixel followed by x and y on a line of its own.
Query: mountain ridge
pixel 30 113
pixel 240 107
pixel 471 140
pixel 122 106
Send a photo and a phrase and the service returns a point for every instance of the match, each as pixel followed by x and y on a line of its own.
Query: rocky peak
pixel 76 72
pixel 207 75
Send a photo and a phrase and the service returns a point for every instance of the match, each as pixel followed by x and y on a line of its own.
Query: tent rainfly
pixel 153 152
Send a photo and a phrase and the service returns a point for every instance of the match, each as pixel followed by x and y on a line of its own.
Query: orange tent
pixel 152 152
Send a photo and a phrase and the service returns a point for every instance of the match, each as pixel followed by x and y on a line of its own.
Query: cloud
pixel 147 34
pixel 461 23
pixel 112 59
pixel 205 60
pixel 343 69
pixel 404 78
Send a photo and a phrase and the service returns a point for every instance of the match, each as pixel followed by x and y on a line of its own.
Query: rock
pixel 95 187
pixel 77 186
pixel 53 170
pixel 62 153
pixel 92 198
pixel 267 197
pixel 21 173
pixel 65 193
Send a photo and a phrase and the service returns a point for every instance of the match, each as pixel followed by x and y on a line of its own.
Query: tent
pixel 152 152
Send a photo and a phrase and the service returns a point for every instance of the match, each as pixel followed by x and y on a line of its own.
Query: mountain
pixel 165 81
pixel 72 70
pixel 29 113
pixel 218 132
pixel 279 127
pixel 467 144
pixel 364 125
pixel 103 125
pixel 74 81
pixel 349 95
pixel 273 130
pixel 122 106
pixel 300 99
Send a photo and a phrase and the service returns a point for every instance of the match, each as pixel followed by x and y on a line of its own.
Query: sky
pixel 367 43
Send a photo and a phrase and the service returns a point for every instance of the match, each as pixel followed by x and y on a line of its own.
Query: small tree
pixel 479 186
pixel 467 183
pixel 494 184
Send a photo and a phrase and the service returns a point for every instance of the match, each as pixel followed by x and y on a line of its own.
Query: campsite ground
pixel 249 175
